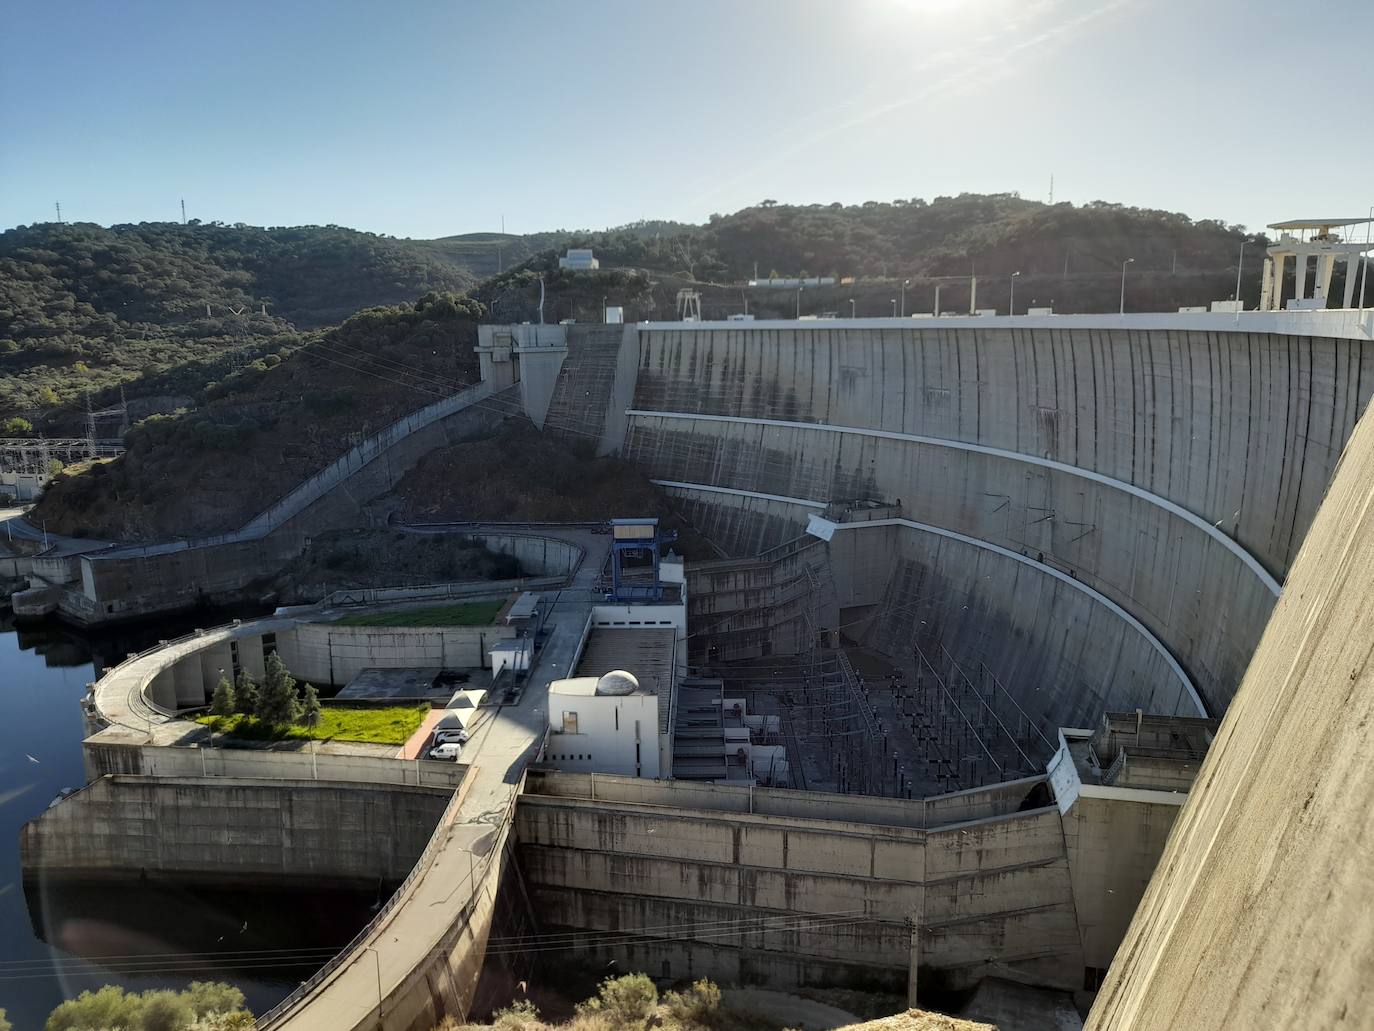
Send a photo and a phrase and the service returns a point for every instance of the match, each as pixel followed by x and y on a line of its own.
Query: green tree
pixel 223 702
pixel 16 427
pixel 246 693
pixel 207 997
pixel 203 1006
pixel 5 1025
pixel 310 708
pixel 278 704
pixel 164 1011
pixel 107 1007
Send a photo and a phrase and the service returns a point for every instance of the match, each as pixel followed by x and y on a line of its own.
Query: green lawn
pixel 392 725
pixel 472 613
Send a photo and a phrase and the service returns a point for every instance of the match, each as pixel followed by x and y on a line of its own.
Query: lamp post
pixel 1240 264
pixel 905 283
pixel 1123 284
pixel 851 308
pixel 894 307
pixel 799 290
pixel 377 959
pixel 1012 310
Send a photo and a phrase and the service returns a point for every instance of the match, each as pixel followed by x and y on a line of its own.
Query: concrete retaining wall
pixel 330 654
pixel 132 581
pixel 779 897
pixel 226 832
pixel 787 888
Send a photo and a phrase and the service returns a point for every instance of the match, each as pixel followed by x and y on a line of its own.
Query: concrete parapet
pixel 105 755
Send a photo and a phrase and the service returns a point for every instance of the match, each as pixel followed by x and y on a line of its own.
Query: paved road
pixel 499 754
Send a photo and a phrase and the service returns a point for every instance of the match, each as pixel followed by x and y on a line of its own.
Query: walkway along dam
pixel 1096 513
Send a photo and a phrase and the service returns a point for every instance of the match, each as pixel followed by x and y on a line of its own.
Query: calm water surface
pixel 145 936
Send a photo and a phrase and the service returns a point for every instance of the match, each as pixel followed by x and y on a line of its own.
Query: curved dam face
pixel 1258 913
pixel 1173 473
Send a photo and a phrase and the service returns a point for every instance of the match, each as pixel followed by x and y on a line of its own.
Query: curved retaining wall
pixel 1174 471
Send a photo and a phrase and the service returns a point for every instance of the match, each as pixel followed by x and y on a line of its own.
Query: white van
pixel 449 751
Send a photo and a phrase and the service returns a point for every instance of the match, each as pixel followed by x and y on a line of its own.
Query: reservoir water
pixel 55 944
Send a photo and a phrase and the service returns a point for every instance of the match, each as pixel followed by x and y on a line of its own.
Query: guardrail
pixel 311 489
pixel 421 866
pixel 459 589
pixel 436 841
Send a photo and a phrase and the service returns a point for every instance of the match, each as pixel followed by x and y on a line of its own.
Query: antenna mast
pixel 59 212
pixel 183 210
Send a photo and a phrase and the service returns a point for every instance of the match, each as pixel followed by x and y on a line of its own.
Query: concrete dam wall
pixel 1174 473
pixel 1258 914
pixel 226 832
pixel 790 888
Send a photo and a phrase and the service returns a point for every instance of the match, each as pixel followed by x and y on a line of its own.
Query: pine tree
pixel 223 701
pixel 277 702
pixel 246 694
pixel 310 710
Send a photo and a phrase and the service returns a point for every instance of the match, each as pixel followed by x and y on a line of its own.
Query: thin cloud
pixel 996 62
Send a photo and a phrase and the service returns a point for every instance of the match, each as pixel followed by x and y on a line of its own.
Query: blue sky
pixel 426 118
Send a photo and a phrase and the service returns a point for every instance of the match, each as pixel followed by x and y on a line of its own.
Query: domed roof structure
pixel 617 682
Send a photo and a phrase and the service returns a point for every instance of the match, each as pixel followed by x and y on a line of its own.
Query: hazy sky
pixel 431 118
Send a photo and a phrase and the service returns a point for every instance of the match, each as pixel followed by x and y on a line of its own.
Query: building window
pixel 569 722
pixel 1093 978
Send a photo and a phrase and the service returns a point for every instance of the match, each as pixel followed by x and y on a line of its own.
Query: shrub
pixel 697 1007
pixel 522 1016
pixel 626 1002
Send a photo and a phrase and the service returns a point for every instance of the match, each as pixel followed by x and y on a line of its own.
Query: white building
pixel 616 712
pixel 605 724
pixel 579 258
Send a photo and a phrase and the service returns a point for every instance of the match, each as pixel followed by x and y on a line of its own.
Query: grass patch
pixel 392 725
pixel 472 613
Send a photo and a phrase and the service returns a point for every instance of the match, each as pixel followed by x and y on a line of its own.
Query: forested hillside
pixel 165 307
pixel 995 233
pixel 84 308
pixel 1069 257
pixel 252 436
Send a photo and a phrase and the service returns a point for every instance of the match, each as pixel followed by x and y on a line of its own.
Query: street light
pixel 851 307
pixel 799 290
pixel 1013 293
pixel 1123 284
pixel 905 283
pixel 1240 264
pixel 894 307
pixel 378 961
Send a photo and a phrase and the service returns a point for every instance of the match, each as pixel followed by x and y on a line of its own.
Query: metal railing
pixel 436 840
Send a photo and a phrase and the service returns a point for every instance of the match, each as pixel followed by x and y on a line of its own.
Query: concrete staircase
pixel 583 391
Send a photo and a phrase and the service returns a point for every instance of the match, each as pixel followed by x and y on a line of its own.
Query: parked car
pixel 444 736
pixel 448 752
